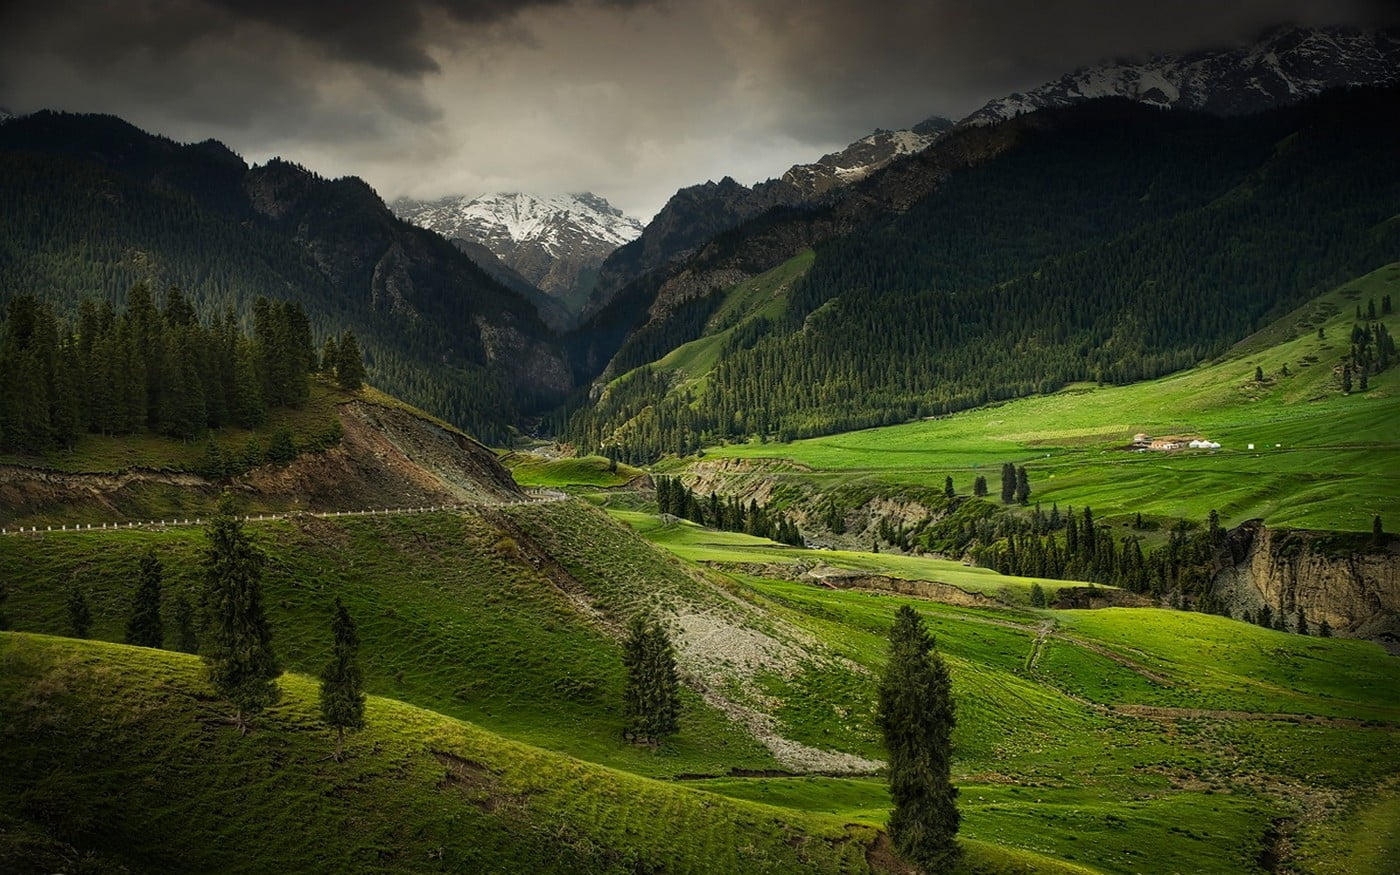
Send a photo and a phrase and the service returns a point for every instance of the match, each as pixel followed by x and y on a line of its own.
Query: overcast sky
pixel 631 99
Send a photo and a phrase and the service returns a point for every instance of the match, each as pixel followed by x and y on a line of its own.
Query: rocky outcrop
pixel 1340 578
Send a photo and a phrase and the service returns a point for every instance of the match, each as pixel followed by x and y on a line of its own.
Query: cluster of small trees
pixel 1372 350
pixel 151 368
pixel 231 631
pixel 732 515
pixel 1015 485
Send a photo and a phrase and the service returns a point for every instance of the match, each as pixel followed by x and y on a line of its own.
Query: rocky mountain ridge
pixel 1286 65
pixel 556 243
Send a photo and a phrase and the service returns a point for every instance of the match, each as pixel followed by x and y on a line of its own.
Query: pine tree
pixel 916 718
pixel 238 653
pixel 79 615
pixel 1037 596
pixel 350 366
pixel 1302 624
pixel 1325 629
pixel 1258 374
pixel 330 355
pixel 1377 531
pixel 948 491
pixel 979 487
pixel 186 638
pixel 1008 483
pixel 1023 486
pixel 652 704
pixel 342 681
pixel 144 627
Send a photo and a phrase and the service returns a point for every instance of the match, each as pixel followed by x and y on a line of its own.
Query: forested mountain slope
pixel 89 206
pixel 1106 241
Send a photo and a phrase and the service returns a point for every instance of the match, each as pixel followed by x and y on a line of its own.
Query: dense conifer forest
pixel 1132 245
pixel 150 368
pixel 90 206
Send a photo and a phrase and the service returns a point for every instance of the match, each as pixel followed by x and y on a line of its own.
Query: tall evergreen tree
pixel 350 366
pixel 916 718
pixel 186 637
pixel 79 614
pixel 342 681
pixel 330 355
pixel 652 700
pixel 948 491
pixel 1377 531
pixel 1008 483
pixel 1023 486
pixel 238 651
pixel 979 487
pixel 144 628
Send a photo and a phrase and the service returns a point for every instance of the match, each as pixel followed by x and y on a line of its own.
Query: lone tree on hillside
pixel 238 651
pixel 1377 530
pixel 948 491
pixel 79 615
pixel 979 487
pixel 349 366
pixel 1008 483
pixel 342 681
pixel 186 639
pixel 916 718
pixel 652 704
pixel 144 628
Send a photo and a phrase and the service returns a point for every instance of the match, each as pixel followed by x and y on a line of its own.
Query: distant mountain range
pixel 554 243
pixel 90 205
pixel 1286 65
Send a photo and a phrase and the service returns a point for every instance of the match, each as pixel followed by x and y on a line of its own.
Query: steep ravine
pixel 1354 586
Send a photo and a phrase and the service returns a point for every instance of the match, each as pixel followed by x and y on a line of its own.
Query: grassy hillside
pixel 178 789
pixel 453 617
pixel 1321 459
pixel 1123 740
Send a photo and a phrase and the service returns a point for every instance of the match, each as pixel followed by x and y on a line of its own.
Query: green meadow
pixel 1060 758
pixel 1321 459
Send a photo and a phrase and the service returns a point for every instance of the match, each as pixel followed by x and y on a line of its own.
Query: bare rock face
pixel 1321 576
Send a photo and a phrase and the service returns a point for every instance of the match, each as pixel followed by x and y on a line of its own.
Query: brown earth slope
pixel 388 457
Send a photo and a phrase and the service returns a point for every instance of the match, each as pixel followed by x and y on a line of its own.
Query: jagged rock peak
pixel 555 242
pixel 1285 65
pixel 864 157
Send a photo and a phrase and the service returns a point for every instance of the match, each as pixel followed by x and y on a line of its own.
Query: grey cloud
pixel 629 98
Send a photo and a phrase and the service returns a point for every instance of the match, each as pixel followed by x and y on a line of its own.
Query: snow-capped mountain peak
pixel 1285 65
pixel 555 242
pixel 863 157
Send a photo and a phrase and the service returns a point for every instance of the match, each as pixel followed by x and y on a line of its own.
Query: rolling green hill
pixel 1322 459
pixel 1118 739
pixel 118 756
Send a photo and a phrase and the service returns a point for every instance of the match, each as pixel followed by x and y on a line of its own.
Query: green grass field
pixel 589 472
pixel 122 757
pixel 455 616
pixel 1321 459
pixel 698 544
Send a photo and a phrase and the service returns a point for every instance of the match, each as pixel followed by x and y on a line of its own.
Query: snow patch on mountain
pixel 555 242
pixel 1286 65
pixel 863 157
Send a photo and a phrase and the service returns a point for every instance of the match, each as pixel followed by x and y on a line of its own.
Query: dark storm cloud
pixel 630 98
